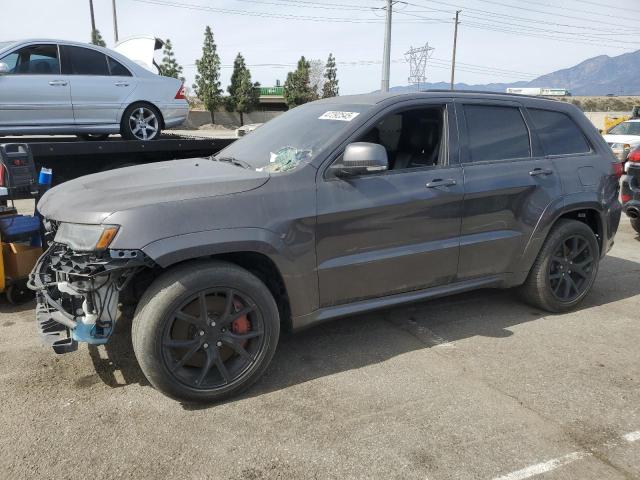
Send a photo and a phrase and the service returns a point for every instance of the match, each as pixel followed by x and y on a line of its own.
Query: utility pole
pixel 93 18
pixel 455 44
pixel 386 55
pixel 115 21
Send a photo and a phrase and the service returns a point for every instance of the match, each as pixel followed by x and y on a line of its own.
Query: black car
pixel 631 189
pixel 336 207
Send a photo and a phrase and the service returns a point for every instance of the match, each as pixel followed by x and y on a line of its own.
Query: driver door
pixel 385 233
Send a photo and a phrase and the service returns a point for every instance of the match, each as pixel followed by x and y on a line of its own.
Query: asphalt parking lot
pixel 476 386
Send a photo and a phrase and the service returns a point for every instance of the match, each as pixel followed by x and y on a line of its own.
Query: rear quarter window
pixel 558 133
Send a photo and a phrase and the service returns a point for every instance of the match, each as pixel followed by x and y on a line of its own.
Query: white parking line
pixel 550 465
pixel 632 437
pixel 544 467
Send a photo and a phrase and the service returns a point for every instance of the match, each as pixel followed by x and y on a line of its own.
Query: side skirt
pixel 330 313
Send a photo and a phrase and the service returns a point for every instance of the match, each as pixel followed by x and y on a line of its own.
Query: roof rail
pixel 487 92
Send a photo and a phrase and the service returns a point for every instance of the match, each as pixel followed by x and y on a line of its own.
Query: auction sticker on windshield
pixel 337 115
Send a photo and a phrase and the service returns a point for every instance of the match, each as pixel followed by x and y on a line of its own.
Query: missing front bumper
pixel 78 294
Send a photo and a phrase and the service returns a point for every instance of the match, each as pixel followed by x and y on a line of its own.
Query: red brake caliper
pixel 241 325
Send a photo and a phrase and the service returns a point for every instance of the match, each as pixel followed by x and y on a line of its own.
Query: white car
pixel 62 87
pixel 624 137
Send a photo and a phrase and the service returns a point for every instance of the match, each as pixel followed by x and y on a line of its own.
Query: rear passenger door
pixel 565 144
pixel 99 85
pixel 508 185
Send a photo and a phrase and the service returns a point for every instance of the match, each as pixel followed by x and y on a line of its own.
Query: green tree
pixel 243 93
pixel 97 39
pixel 170 66
pixel 297 88
pixel 330 87
pixel 207 83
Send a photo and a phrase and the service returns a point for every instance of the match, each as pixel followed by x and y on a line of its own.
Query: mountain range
pixel 601 75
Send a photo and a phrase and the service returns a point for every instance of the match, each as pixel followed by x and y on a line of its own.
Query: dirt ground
pixel 475 386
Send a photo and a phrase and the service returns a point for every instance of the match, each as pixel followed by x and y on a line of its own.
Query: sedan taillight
pixel 181 95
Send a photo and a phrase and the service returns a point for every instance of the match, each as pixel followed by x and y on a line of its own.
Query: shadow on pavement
pixel 355 342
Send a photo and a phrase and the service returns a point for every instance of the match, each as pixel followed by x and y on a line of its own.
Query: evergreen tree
pixel 297 88
pixel 330 87
pixel 97 39
pixel 243 93
pixel 207 84
pixel 170 66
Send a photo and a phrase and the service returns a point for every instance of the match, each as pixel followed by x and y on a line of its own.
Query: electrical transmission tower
pixel 417 58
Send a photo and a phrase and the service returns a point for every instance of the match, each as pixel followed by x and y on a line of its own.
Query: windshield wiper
pixel 233 161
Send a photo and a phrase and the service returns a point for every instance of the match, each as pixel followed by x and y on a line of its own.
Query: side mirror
pixel 361 158
pixel 4 68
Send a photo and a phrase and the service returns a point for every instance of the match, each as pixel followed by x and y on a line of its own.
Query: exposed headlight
pixel 85 238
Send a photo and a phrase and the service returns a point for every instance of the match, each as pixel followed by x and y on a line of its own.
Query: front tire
pixel 205 331
pixel 141 121
pixel 565 269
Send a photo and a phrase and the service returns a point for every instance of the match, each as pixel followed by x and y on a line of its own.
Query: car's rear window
pixel 558 133
pixel 496 133
pixel 117 69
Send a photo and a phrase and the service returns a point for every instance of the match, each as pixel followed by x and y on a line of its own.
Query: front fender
pixel 297 269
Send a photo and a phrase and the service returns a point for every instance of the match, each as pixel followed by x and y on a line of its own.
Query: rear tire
pixel 635 223
pixel 142 122
pixel 205 331
pixel 565 269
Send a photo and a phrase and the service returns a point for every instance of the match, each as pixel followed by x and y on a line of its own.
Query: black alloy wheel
pixel 205 330
pixel 213 338
pixel 571 268
pixel 565 269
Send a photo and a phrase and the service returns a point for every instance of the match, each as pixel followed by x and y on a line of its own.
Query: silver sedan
pixel 62 87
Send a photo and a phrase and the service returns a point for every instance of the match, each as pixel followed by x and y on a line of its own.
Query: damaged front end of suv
pixel 78 282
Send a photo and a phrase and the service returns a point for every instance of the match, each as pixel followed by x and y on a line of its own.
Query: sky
pixel 498 40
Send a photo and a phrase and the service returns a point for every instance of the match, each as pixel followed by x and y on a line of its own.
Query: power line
pixel 492 15
pixel 306 4
pixel 573 17
pixel 312 18
pixel 582 39
pixel 600 4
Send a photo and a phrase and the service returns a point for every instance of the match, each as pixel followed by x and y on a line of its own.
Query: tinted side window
pixel 412 138
pixel 496 133
pixel 117 69
pixel 83 61
pixel 33 60
pixel 558 133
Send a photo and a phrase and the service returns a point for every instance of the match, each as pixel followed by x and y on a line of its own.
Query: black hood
pixel 93 198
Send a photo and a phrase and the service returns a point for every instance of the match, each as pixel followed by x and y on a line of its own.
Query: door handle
pixel 540 171
pixel 58 83
pixel 439 182
pixel 121 84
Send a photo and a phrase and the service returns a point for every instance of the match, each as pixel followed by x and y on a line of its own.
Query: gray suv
pixel 336 207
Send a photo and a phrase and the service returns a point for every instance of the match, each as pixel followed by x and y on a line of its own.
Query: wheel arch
pixel 259 251
pixel 588 211
pixel 143 102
